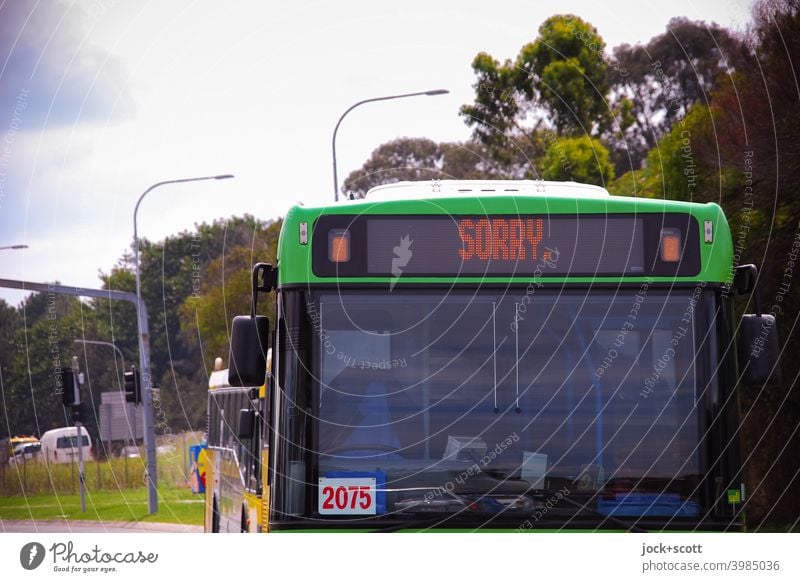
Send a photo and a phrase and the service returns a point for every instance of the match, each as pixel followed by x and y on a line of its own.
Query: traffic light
pixel 133 386
pixel 69 387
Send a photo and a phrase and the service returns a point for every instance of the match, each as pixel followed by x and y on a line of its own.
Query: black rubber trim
pixel 348 285
pixel 648 524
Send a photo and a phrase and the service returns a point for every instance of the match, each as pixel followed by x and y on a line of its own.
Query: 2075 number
pixel 342 497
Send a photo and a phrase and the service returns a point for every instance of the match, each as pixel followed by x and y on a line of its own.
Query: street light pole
pixel 76 374
pixel 151 472
pixel 102 343
pixel 349 109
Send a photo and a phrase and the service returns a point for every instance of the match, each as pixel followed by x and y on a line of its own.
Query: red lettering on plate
pixel 499 238
pixel 483 238
pixel 533 232
pixel 347 496
pixel 365 497
pixel 465 227
pixel 516 234
pixel 328 492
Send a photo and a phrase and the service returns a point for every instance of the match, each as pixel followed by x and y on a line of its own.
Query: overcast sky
pixel 101 98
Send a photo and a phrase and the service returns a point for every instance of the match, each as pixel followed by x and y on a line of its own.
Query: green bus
pixel 501 356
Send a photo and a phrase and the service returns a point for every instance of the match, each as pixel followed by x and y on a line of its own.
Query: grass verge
pixel 175 505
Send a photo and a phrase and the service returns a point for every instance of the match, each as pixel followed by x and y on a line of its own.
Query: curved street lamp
pixel 102 343
pixel 432 92
pixel 144 352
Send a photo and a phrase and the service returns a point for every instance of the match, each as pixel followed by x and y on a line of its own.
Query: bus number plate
pixel 347 496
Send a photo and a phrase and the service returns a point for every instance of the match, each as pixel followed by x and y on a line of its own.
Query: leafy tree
pixel 741 151
pixel 581 159
pixel 559 80
pixel 226 292
pixel 394 161
pixel 39 335
pixel 422 159
pixel 43 345
pixel 757 132
pixel 659 81
pixel 116 322
pixel 223 290
pixel 564 69
pixel 170 275
pixel 10 325
pixel 678 167
pixel 497 115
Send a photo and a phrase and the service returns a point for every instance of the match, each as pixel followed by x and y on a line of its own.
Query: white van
pixel 60 445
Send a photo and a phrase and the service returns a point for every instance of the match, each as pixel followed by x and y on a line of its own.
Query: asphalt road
pixel 55 526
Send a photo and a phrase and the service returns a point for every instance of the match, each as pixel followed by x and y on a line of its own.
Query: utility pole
pixel 76 414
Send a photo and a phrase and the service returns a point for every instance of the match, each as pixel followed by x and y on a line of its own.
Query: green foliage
pixel 399 159
pixel 43 343
pixel 663 78
pixel 39 335
pixel 678 167
pixel 564 70
pixel 581 159
pixel 422 159
pixel 558 81
pixel 497 110
pixel 565 80
pixel 172 273
pixel 757 133
pixel 225 292
pixel 9 324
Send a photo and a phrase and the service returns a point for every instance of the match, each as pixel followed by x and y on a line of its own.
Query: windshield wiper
pixel 418 523
pixel 425 519
pixel 549 493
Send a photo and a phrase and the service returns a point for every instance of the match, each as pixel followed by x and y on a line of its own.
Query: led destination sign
pixel 500 245
pixel 507 239
pixel 518 246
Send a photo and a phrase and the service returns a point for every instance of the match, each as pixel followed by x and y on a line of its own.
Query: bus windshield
pixel 491 400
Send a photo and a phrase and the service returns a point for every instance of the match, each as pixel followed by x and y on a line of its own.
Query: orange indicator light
pixel 339 247
pixel 670 245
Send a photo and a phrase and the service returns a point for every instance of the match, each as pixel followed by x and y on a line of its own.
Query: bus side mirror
pixel 250 335
pixel 247 423
pixel 759 352
pixel 249 344
pixel 744 279
pixel 758 349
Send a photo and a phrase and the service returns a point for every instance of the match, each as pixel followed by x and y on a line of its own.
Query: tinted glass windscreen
pixel 463 402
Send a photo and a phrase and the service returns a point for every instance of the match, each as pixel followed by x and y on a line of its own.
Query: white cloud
pixel 45 49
